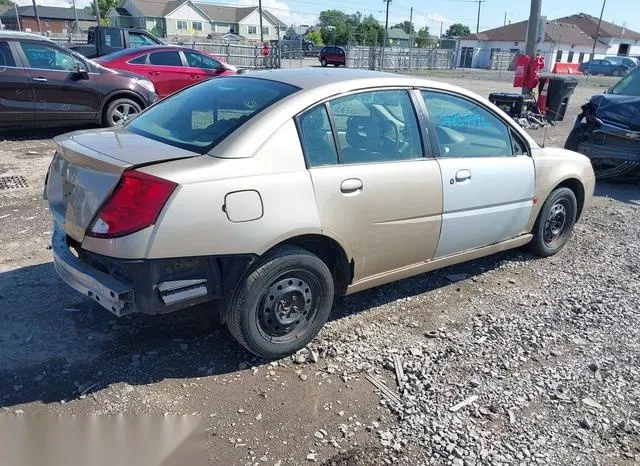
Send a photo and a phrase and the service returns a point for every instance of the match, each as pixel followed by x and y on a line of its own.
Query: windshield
pixel 629 85
pixel 199 117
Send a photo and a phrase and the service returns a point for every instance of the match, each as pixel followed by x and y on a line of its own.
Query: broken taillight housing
pixel 134 205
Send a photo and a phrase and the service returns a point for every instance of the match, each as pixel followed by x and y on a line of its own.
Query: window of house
pixel 581 57
pixel 376 126
pixel 570 57
pixel 252 29
pixel 559 56
pixel 196 25
pixel 464 129
pixel 182 25
pixel 265 30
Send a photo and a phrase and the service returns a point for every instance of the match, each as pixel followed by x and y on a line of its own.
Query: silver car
pixel 272 192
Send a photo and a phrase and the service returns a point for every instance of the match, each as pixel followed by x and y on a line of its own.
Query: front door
pixel 374 189
pixel 488 179
pixel 60 92
pixel 166 71
pixel 16 101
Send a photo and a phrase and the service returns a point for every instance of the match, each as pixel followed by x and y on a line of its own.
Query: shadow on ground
pixel 57 346
pixel 628 193
pixel 38 134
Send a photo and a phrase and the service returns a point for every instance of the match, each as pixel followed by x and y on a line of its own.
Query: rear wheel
pixel 282 304
pixel 323 62
pixel 555 222
pixel 120 111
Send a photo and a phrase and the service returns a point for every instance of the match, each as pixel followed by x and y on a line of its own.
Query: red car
pixel 170 68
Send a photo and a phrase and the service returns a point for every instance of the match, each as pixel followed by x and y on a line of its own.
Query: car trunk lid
pixel 87 167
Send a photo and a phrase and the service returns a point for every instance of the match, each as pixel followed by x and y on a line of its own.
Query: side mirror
pixel 81 72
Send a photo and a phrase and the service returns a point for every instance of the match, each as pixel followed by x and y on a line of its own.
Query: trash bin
pixel 558 94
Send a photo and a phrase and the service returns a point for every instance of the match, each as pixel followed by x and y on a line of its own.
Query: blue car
pixel 612 66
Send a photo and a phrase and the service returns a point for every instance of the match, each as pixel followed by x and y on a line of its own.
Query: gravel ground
pixel 509 359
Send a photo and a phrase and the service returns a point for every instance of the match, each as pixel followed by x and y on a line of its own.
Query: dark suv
pixel 333 56
pixel 45 84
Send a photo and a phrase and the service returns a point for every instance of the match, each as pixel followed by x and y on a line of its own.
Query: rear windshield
pixel 629 85
pixel 199 117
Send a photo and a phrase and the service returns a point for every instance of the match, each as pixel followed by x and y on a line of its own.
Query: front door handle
pixel 39 79
pixel 154 73
pixel 463 175
pixel 351 185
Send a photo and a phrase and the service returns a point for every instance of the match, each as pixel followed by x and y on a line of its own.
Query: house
pixel 397 37
pixel 562 42
pixel 618 39
pixel 197 19
pixel 53 19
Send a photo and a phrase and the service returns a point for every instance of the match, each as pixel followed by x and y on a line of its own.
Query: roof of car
pixel 6 34
pixel 311 77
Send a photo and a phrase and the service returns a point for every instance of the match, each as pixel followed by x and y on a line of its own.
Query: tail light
pixel 135 204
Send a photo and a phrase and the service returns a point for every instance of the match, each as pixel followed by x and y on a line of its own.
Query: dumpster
pixel 560 90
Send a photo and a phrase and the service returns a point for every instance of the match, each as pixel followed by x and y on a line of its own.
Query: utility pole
pixel 532 33
pixel 386 26
pixel 75 11
pixel 595 39
pixel 410 35
pixel 35 11
pixel 17 17
pixel 479 2
pixel 505 19
pixel 440 29
pixel 97 8
pixel 260 13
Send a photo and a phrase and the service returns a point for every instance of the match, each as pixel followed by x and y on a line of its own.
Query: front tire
pixel 119 112
pixel 555 223
pixel 323 62
pixel 282 304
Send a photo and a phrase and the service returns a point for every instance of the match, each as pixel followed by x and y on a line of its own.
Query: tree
pixel 6 2
pixel 104 6
pixel 406 26
pixel 458 30
pixel 370 31
pixel 315 37
pixel 337 27
pixel 423 39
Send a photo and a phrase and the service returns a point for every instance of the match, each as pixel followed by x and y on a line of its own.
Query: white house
pixel 197 19
pixel 618 39
pixel 563 42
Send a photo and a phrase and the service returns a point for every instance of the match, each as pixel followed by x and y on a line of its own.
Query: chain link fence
pixel 398 59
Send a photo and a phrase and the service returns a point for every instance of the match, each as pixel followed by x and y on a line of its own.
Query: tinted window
pixel 6 57
pixel 199 117
pixel 198 60
pixel 317 138
pixel 49 58
pixel 464 129
pixel 165 58
pixel 376 126
pixel 141 60
pixel 139 40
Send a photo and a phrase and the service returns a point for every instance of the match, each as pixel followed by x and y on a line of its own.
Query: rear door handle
pixel 154 73
pixel 463 175
pixel 39 79
pixel 195 76
pixel 351 185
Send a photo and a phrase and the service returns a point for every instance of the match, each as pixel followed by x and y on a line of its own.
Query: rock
pixel 311 457
pixel 303 377
pixel 456 277
pixel 313 356
pixel 240 411
pixel 415 351
pixel 259 417
pixel 264 459
pixel 319 435
pixel 475 383
pixel 592 403
pixel 585 424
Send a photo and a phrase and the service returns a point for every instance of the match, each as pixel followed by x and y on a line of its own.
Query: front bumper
pixel 149 286
pixel 111 294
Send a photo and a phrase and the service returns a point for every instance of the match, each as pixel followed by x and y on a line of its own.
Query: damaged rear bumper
pixel 150 286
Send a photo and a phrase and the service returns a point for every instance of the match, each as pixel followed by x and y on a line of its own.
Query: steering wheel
pixel 391 136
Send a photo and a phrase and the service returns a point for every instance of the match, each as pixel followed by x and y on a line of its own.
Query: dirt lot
pixel 549 347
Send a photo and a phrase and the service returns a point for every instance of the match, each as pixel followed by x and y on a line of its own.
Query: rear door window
pixel 165 58
pixel 141 60
pixel 6 57
pixel 200 117
pixel 317 138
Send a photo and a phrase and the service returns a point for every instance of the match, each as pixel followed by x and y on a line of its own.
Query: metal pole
pixel 595 39
pixel 35 10
pixel 410 35
pixel 386 26
pixel 505 19
pixel 478 23
pixel 97 8
pixel 75 11
pixel 532 33
pixel 260 13
pixel 17 17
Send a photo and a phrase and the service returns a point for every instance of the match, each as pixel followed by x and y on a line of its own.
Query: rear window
pixel 200 117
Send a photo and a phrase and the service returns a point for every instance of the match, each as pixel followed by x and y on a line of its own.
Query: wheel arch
pixel 575 185
pixel 120 94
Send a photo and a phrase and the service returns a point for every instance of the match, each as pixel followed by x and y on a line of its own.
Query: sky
pixel 432 13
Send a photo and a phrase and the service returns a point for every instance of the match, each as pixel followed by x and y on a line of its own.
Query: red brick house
pixel 53 20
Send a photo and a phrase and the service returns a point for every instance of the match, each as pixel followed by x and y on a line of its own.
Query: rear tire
pixel 119 111
pixel 555 222
pixel 282 304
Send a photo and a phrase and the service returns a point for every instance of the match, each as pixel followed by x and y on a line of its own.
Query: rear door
pixel 60 92
pixel 488 177
pixel 167 72
pixel 16 100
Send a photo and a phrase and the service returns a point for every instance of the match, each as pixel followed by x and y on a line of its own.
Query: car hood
pixel 619 111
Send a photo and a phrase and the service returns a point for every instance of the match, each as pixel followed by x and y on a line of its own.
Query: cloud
pixel 283 12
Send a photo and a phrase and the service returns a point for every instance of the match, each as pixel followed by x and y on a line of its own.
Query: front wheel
pixel 323 62
pixel 120 111
pixel 555 222
pixel 282 304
